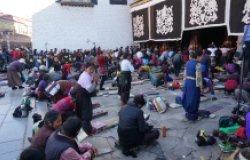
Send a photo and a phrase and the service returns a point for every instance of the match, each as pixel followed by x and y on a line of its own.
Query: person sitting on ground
pixel 13 70
pixel 133 129
pixel 62 145
pixel 33 76
pixel 32 153
pixel 40 90
pixel 142 70
pixel 232 79
pixel 42 72
pixel 245 93
pixel 37 123
pixel 165 73
pixel 52 121
pixel 66 106
pixel 65 86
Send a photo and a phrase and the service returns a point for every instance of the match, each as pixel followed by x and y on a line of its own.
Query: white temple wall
pixel 105 25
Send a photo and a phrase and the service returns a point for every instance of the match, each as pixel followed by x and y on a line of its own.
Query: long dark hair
pixel 49 118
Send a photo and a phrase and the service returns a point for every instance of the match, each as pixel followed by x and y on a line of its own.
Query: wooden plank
pixel 104 125
pixel 99 114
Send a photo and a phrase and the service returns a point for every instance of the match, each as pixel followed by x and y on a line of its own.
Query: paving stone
pixel 179 143
pixel 205 154
pixel 10 146
pixel 183 150
pixel 12 131
pixel 2 117
pixel 10 118
pixel 11 155
pixel 169 143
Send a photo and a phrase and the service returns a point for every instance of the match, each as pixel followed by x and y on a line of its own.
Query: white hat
pixel 42 68
pixel 34 69
pixel 22 60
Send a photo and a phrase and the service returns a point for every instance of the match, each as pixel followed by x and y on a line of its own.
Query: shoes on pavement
pixel 21 87
pixel 14 88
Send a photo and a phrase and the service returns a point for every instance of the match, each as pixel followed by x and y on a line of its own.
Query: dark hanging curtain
pixel 200 20
pixel 236 15
pixel 174 11
pixel 120 2
pixel 143 26
pixel 94 1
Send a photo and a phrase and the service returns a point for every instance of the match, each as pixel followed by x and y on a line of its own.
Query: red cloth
pixel 185 58
pixel 67 67
pixel 102 62
pixel 64 105
pixel 153 59
pixel 241 133
pixel 16 55
pixel 231 85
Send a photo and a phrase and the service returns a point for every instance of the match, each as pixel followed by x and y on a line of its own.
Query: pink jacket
pixel 71 154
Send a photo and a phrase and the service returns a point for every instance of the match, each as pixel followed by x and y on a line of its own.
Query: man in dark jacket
pixel 62 145
pixel 133 129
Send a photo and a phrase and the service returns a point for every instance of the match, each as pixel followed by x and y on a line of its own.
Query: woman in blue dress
pixel 192 86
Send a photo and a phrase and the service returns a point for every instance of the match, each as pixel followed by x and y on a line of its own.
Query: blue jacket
pixel 247 32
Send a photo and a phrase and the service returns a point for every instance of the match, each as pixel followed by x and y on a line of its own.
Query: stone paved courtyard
pixel 179 143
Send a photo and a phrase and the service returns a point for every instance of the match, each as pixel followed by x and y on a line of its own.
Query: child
pixel 52 121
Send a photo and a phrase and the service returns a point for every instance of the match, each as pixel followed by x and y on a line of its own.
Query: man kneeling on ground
pixel 133 129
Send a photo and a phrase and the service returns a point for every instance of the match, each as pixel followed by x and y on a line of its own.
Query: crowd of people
pixel 69 80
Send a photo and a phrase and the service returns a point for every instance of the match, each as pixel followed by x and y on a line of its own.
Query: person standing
pixel 85 88
pixel 125 78
pixel 192 86
pixel 102 62
pixel 247 49
pixel 177 62
pixel 13 70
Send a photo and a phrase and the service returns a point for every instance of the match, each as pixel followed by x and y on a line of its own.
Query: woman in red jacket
pixel 102 62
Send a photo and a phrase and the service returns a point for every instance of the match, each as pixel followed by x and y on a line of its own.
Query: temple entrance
pixel 202 38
